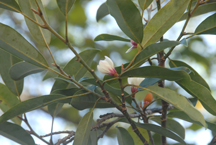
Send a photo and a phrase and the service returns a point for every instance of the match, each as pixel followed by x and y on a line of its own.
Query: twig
pixel 68 137
pixel 213 141
pixel 59 132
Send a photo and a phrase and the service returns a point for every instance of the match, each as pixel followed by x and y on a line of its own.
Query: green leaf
pixel 199 91
pixel 6 61
pixel 65 5
pixel 76 69
pixel 93 137
pixel 171 125
pixel 179 102
pixel 83 130
pixel 194 75
pixel 88 101
pixel 54 108
pixel 42 36
pixel 148 82
pixel 102 11
pixel 202 9
pixel 108 37
pixel 163 20
pixel 23 69
pixel 9 5
pixel 130 22
pixel 144 3
pixel 208 26
pixel 152 50
pixel 124 137
pixel 16 133
pixel 162 131
pixel 136 139
pixel 158 72
pixel 33 104
pixel 184 42
pixel 14 43
pixel 7 101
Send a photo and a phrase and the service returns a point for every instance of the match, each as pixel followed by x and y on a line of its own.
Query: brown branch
pixel 69 137
pixel 213 141
pixel 59 132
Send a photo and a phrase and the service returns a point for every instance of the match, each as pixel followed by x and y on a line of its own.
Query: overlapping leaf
pixel 42 36
pixel 8 100
pixel 136 139
pixel 163 20
pixel 108 37
pixel 16 133
pixel 102 11
pixel 9 5
pixel 14 43
pixel 6 61
pixel 144 3
pixel 130 22
pixel 23 69
pixel 124 137
pixel 65 5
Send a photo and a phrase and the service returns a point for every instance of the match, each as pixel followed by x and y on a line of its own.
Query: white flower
pixel 106 66
pixel 134 81
pixel 133 45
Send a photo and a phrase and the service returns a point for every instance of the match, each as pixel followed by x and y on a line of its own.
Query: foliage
pixel 79 85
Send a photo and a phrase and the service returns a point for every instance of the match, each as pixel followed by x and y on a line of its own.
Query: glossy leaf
pixel 202 9
pixel 88 101
pixel 152 50
pixel 144 3
pixel 130 22
pixel 194 75
pixel 33 104
pixel 208 26
pixel 158 72
pixel 179 102
pixel 108 37
pixel 76 69
pixel 148 82
pixel 124 137
pixel 7 101
pixel 14 43
pixel 65 5
pixel 83 130
pixel 6 61
pixel 102 11
pixel 163 20
pixel 23 69
pixel 16 133
pixel 42 36
pixel 199 91
pixel 9 5
pixel 171 125
pixel 136 139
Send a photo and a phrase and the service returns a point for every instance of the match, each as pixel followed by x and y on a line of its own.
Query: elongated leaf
pixel 54 108
pixel 42 36
pixel 171 125
pixel 8 100
pixel 88 101
pixel 157 129
pixel 16 133
pixel 136 139
pixel 151 50
pixel 102 11
pixel 194 75
pixel 163 20
pixel 179 102
pixel 14 43
pixel 9 5
pixel 75 69
pixel 130 22
pixel 144 3
pixel 124 137
pixel 23 69
pixel 208 26
pixel 65 5
pixel 33 104
pixel 83 129
pixel 199 91
pixel 148 82
pixel 6 61
pixel 158 72
pixel 210 7
pixel 108 37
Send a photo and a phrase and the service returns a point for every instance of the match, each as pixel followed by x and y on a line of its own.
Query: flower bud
pixel 148 99
pixel 106 66
pixel 134 81
pixel 133 45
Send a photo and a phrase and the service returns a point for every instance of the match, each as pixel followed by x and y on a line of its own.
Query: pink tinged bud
pixel 134 81
pixel 133 45
pixel 106 66
pixel 146 103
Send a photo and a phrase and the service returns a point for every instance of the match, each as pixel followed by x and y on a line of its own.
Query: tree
pixel 77 84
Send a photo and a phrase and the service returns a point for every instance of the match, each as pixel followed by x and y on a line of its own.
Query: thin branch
pixel 59 132
pixel 68 137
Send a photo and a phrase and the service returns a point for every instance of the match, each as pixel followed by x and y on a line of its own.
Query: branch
pixel 69 137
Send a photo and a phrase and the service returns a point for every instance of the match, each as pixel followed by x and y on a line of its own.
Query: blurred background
pixel 82 29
